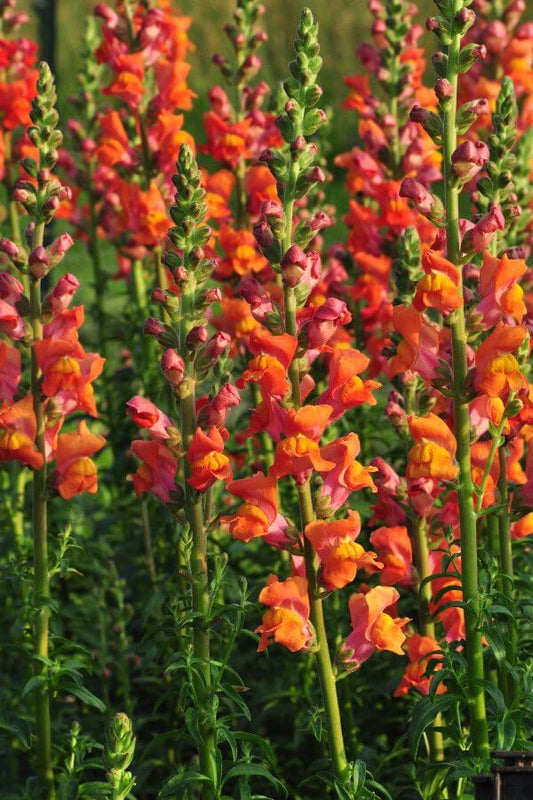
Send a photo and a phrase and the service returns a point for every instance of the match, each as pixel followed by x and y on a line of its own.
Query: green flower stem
pixel 507 569
pixel 465 491
pixel 41 582
pixel 495 444
pixel 322 655
pixel 427 626
pixel 202 678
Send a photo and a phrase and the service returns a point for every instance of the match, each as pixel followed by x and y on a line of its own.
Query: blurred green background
pixel 343 25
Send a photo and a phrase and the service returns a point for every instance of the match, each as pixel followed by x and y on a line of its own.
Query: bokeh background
pixel 343 25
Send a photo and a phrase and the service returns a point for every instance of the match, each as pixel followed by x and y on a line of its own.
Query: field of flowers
pixel 266 419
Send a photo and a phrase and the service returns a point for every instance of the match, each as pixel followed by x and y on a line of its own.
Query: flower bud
pixel 213 295
pixel 173 367
pixel 39 262
pixel 443 89
pixel 426 203
pixel 9 248
pixel 469 158
pixel 217 345
pixel 478 238
pixel 197 335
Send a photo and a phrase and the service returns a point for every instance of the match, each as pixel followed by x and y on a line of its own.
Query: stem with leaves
pixel 189 235
pixel 295 177
pixel 465 490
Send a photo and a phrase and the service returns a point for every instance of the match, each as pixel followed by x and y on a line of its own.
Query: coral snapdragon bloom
pixel 258 516
pixel 421 650
pixel 113 146
pixel 127 83
pixel 348 475
pixel 157 473
pixel 10 372
pixel 439 288
pixel 260 186
pixel 287 619
pixel 273 356
pixel 447 590
pixel 17 434
pixel 66 367
pixel 419 348
pixel 346 389
pixel 299 453
pixel 502 295
pixel 227 142
pixel 218 186
pixel 373 628
pixel 147 415
pixel 523 527
pixel 394 549
pixel 434 449
pixel 207 459
pixel 241 257
pixel 339 554
pixel 497 369
pixel 76 471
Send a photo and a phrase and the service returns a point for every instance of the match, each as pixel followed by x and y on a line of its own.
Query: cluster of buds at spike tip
pixel 191 270
pixel 118 755
pixel 42 200
pixel 245 36
pixel 407 269
pixel 498 185
pixel 296 172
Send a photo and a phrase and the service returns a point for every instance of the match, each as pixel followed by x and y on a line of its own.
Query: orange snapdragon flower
pixel 113 144
pixel 345 388
pixel 157 473
pixel 373 628
pixel 287 620
pixel 348 474
pixel 439 288
pixel 241 254
pixel 502 295
pixel 419 348
pixel 76 471
pixel 269 368
pixel 339 554
pixel 497 369
pixel 394 549
pixel 434 450
pixel 218 186
pixel 67 368
pixel 227 142
pixel 207 459
pixel 258 516
pixel 128 80
pixel 299 453
pixel 421 650
pixel 17 434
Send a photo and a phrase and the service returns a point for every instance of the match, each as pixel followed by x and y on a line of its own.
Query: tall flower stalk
pixel 295 177
pixel 459 20
pixel 47 139
pixel 189 235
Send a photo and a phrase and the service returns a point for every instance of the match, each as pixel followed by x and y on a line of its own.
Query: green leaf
pixel 176 786
pixel 33 684
pixel 424 714
pixel 87 697
pixel 254 771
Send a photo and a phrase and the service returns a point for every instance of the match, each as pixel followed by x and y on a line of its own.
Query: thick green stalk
pixel 99 278
pixel 506 567
pixel 322 655
pixel 427 626
pixel 41 582
pixel 474 649
pixel 202 678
